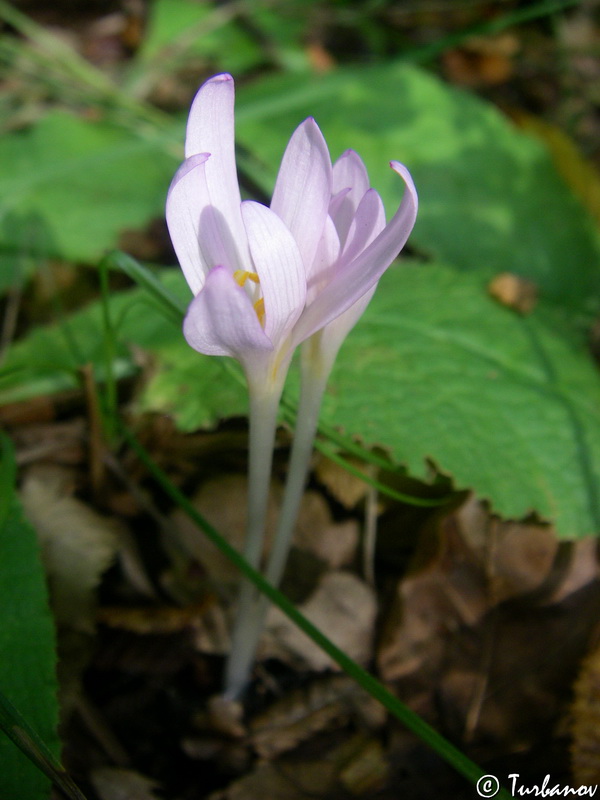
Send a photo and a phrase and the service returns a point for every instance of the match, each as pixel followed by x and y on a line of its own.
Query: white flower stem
pixel 263 425
pixel 254 609
pixel 313 388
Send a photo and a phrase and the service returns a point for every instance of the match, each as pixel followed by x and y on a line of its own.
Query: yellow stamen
pixel 259 307
pixel 241 276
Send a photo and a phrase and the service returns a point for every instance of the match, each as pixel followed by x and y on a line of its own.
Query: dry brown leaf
pixel 153 620
pixel 343 607
pixel 356 765
pixel 211 632
pixel 515 557
pixel 223 503
pixel 335 544
pixel 481 562
pixel 77 543
pixel 300 714
pixel 347 489
pixel 514 292
pixel 116 783
pixel 297 781
pixel 581 568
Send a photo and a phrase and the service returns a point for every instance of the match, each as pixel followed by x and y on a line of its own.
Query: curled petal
pixel 221 320
pixel 184 206
pixel 279 266
pixel 356 277
pixel 303 188
pixel 210 129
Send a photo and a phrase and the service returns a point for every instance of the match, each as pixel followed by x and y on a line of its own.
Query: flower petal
pixel 332 336
pixel 210 129
pixel 221 320
pixel 279 267
pixel 184 205
pixel 349 174
pixel 324 263
pixel 355 279
pixel 303 187
pixel 368 222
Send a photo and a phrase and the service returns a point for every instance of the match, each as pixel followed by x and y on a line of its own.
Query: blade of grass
pixel 394 494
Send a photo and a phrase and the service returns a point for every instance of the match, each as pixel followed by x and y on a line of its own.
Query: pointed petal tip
pixel 310 123
pixel 220 78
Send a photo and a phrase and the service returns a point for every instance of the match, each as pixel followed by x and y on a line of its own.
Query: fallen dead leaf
pixel 514 292
pixel 516 558
pixel 343 607
pixel 116 783
pixel 327 701
pixel 347 489
pixel 223 503
pixel 77 543
pixel 335 544
pixel 356 765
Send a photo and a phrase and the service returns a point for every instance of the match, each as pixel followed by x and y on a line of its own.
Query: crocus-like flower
pixel 265 279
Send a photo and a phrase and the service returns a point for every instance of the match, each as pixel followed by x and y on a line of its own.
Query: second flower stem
pixel 254 606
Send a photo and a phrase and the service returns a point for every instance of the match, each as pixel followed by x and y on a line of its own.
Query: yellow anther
pixel 259 307
pixel 241 276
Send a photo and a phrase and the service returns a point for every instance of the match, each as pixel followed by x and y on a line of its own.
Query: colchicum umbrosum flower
pixel 268 279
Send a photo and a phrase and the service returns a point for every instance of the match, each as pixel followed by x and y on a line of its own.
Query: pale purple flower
pixel 266 279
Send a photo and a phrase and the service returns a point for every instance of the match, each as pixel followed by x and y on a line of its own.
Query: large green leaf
pixel 490 198
pixel 505 404
pixel 82 182
pixel 27 663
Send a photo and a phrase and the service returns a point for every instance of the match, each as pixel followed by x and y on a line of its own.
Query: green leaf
pixel 27 669
pixel 490 197
pixel 49 358
pixel 86 182
pixel 196 389
pixel 437 371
